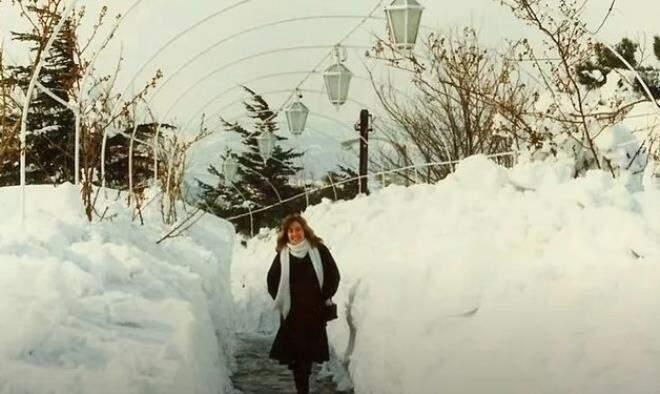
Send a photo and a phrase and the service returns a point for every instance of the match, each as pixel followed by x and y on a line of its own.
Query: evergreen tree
pixel 344 189
pixel 257 180
pixel 50 125
pixel 116 168
pixel 9 136
pixel 593 74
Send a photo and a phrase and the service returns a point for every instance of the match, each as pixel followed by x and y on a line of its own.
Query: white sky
pixel 154 22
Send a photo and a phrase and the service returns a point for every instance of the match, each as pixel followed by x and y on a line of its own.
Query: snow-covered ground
pixel 101 308
pixel 491 281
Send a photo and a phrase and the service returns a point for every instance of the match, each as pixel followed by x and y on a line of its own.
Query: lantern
pixel 296 116
pixel 230 168
pixel 338 78
pixel 266 142
pixel 403 19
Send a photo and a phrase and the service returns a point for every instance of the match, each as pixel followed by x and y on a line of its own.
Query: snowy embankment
pixel 101 308
pixel 491 281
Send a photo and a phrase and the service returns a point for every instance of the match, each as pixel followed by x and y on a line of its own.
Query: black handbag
pixel 329 312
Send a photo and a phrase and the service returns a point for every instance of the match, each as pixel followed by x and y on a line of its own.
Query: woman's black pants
pixel 301 373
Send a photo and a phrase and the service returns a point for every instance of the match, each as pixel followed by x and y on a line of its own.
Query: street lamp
pixel 296 116
pixel 338 78
pixel 230 168
pixel 266 142
pixel 403 19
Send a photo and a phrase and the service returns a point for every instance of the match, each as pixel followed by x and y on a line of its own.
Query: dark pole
pixel 364 154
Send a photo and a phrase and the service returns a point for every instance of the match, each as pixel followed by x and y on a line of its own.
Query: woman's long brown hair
pixel 283 237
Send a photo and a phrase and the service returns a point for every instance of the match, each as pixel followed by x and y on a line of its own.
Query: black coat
pixel 302 336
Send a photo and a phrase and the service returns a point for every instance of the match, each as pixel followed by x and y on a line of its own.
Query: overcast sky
pixel 155 22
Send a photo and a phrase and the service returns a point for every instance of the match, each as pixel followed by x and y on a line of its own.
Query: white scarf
pixel 283 298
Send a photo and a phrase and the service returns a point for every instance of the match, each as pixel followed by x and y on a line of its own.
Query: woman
pixel 301 280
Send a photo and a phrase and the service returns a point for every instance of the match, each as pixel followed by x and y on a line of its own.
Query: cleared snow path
pixel 257 374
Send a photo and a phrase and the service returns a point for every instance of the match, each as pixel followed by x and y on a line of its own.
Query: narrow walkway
pixel 257 374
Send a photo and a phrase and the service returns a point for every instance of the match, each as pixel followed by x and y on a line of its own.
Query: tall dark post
pixel 364 145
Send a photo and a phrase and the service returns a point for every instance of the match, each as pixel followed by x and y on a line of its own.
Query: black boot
pixel 301 377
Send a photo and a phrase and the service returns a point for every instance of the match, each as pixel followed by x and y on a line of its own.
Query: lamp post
pixel 403 19
pixel 364 127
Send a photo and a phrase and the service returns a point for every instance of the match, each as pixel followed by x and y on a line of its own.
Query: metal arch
pixel 345 37
pixel 176 38
pixel 85 76
pixel 216 44
pixel 204 78
pixel 315 114
pixel 364 19
pixel 249 57
pixel 148 61
pixel 247 204
pixel 279 91
pixel 250 30
pixel 304 183
pixel 312 113
pixel 277 193
pixel 334 189
pixel 267 76
pixel 257 28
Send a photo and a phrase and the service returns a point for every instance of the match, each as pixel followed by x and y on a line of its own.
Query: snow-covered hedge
pixel 491 281
pixel 100 308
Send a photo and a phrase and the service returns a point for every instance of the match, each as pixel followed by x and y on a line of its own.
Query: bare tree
pixel 175 152
pixel 462 92
pixel 90 96
pixel 571 115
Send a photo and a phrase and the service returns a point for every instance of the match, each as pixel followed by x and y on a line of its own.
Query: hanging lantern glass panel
pixel 266 142
pixel 404 18
pixel 337 83
pixel 296 117
pixel 230 169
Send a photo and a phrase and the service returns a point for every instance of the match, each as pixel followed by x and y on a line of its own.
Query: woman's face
pixel 295 233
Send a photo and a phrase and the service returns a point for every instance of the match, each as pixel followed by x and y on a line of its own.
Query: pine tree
pixel 9 135
pixel 593 74
pixel 345 189
pixel 116 168
pixel 50 125
pixel 257 180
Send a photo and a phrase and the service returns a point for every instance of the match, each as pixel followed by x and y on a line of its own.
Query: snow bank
pixel 491 281
pixel 101 308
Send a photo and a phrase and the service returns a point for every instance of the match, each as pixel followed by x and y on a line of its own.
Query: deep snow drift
pixel 491 281
pixel 102 309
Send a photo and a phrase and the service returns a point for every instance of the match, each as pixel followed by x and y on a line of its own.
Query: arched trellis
pixel 300 83
pixel 84 79
pixel 280 91
pixel 197 83
pixel 345 37
pixel 144 65
pixel 158 52
pixel 253 29
pixel 613 51
pixel 237 86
